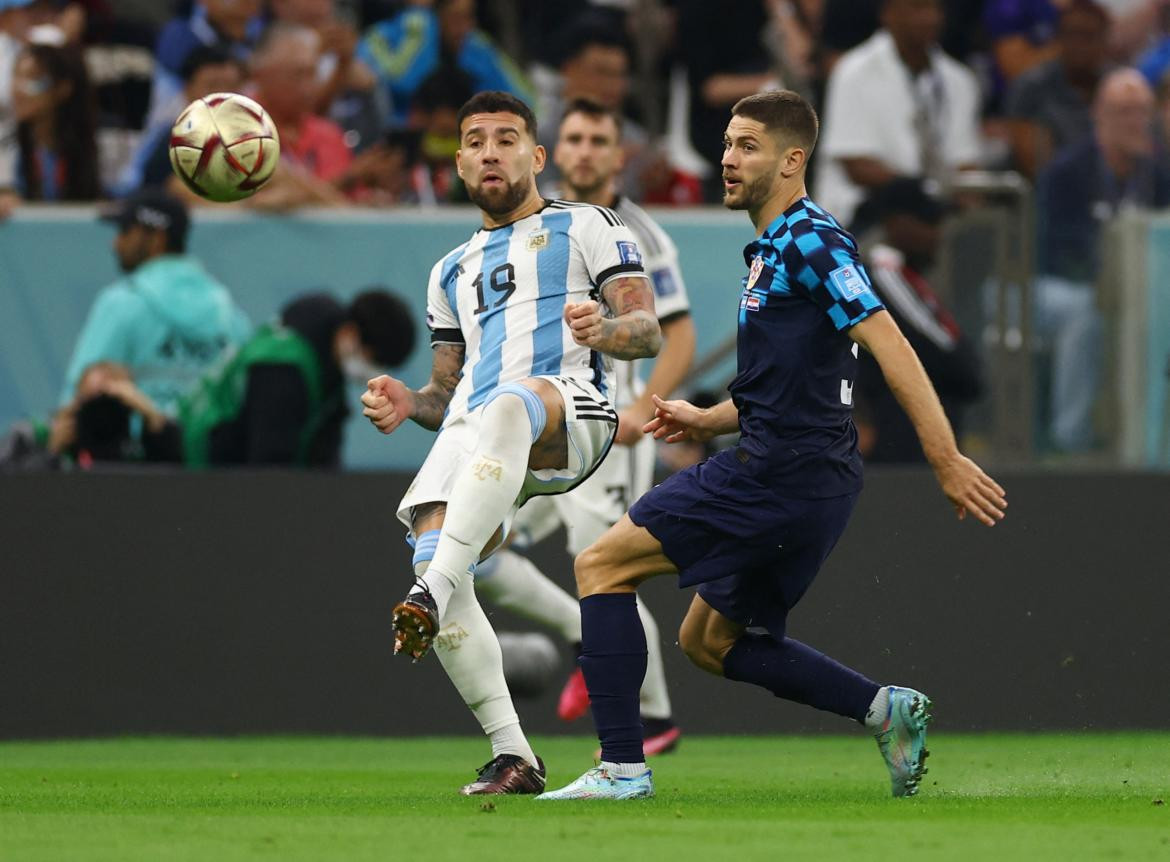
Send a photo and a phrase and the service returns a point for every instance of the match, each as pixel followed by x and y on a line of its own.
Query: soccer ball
pixel 224 147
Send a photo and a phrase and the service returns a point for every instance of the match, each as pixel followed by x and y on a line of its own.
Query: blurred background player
pixel 517 393
pixel 281 398
pixel 589 155
pixel 167 320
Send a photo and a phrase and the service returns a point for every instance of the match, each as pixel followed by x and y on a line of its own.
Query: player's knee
pixel 513 408
pixel 598 571
pixel 695 648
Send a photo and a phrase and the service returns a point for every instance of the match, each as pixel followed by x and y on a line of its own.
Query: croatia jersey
pixel 660 259
pixel 502 295
pixel 804 289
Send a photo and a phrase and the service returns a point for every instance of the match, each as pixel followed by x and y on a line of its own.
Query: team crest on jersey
pixel 628 251
pixel 537 240
pixel 754 274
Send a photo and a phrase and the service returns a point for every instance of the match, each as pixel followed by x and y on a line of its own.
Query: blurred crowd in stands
pixel 1074 95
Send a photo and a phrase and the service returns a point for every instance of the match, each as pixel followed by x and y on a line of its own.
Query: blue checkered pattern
pixel 804 290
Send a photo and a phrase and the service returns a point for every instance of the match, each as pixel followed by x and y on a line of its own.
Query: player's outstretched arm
pixel 633 331
pixel 676 421
pixel 388 403
pixel 962 480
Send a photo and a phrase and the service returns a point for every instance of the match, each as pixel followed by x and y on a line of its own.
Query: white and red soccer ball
pixel 224 147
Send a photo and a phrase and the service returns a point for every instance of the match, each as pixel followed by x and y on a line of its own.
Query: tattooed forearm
pixel 634 335
pixel 633 331
pixel 430 402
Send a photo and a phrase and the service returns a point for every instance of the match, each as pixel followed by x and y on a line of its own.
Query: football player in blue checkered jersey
pixel 751 526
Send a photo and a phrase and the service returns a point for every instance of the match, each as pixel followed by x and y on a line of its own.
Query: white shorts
pixel 591 424
pixel 595 505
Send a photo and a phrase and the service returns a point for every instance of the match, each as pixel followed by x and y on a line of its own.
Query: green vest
pixel 219 397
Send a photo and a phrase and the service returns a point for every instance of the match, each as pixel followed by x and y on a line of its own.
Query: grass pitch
pixel 1035 797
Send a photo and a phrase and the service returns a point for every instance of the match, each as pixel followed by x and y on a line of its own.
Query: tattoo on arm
pixel 430 402
pixel 633 331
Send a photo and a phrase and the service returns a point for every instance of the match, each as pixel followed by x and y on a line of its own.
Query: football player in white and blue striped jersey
pixel 589 155
pixel 525 318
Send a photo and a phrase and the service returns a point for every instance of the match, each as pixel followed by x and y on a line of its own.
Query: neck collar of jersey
pixel 779 224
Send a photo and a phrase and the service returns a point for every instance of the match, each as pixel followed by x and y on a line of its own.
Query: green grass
pixel 777 798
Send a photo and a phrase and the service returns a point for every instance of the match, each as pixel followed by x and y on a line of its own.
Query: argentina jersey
pixel 804 289
pixel 503 293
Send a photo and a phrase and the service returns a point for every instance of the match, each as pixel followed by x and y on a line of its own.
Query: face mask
pixel 358 369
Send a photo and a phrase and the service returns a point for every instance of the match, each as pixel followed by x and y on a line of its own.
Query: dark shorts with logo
pixel 752 551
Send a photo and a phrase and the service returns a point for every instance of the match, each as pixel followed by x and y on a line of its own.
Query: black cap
pixel 155 209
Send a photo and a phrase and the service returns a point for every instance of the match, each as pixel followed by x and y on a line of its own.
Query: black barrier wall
pixel 245 603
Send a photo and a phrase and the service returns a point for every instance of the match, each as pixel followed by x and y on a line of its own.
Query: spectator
pixel 433 119
pixel 404 50
pixel 96 425
pixel 723 48
pixel 54 108
pixel 1021 35
pixel 281 399
pixel 896 106
pixel 900 253
pixel 347 89
pixel 13 23
pixel 167 320
pixel 207 69
pixel 313 154
pixel 1083 187
pixel 1050 105
pixel 231 24
pixel 1155 59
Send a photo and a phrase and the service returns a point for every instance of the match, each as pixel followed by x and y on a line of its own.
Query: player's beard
pixel 503 201
pixel 585 184
pixel 753 195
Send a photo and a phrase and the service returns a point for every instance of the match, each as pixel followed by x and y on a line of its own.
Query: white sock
pixel 623 770
pixel 470 653
pixel 875 716
pixel 483 495
pixel 514 583
pixel 653 701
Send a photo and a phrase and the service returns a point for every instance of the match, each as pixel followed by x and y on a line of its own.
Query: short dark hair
pixel 447 87
pixel 204 55
pixel 497 101
pixel 385 325
pixel 590 108
pixel 784 113
pixel 594 27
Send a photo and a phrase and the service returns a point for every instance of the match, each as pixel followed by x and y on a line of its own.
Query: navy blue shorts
pixel 751 551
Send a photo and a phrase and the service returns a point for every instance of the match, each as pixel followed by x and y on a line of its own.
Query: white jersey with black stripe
pixel 660 258
pixel 502 294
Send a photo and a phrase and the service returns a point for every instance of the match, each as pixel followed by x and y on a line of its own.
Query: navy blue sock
pixel 613 659
pixel 794 671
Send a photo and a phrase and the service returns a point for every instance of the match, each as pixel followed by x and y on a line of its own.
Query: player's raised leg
pixel 521 426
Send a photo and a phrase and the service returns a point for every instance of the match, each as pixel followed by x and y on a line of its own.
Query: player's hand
pixel 585 322
pixel 970 490
pixel 676 421
pixel 630 428
pixel 387 403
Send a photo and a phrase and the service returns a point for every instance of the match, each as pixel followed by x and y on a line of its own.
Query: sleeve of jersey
pixel 829 272
pixel 670 292
pixel 442 319
pixel 609 247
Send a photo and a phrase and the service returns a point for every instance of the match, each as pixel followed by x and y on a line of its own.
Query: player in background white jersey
pixel 518 393
pixel 589 156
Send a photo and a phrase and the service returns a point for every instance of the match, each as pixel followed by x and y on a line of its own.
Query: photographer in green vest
pixel 281 398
